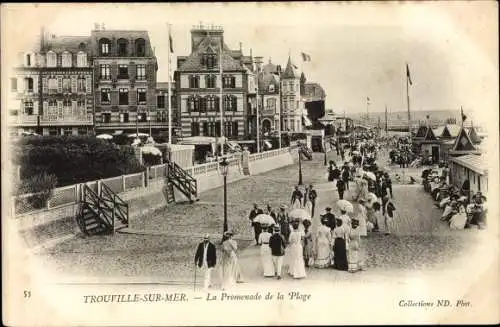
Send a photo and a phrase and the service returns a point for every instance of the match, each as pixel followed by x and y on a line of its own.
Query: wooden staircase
pixel 170 196
pixel 101 214
pixel 182 181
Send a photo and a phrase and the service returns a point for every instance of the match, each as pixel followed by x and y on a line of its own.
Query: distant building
pixel 53 87
pixel 125 69
pixel 198 86
pixel 292 105
pixel 269 97
pixel 161 122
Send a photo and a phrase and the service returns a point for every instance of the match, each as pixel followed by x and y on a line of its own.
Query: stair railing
pixel 121 210
pixel 98 205
pixel 182 180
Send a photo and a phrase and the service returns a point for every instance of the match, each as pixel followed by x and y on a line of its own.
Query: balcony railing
pixel 66 120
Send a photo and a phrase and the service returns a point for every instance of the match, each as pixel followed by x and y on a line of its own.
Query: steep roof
pixel 429 135
pixel 313 92
pixel 463 142
pixel 438 131
pixel 474 137
pixel 453 129
pixel 208 44
pixel 422 131
pixel 69 43
pixel 473 162
pixel 268 79
pixel 290 70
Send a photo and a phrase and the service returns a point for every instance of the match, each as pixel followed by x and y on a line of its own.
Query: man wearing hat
pixel 257 228
pixel 329 218
pixel 283 222
pixel 206 259
pixel 277 245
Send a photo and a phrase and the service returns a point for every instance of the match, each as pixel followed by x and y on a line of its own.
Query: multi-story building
pixel 125 69
pixel 161 123
pixel 198 86
pixel 53 88
pixel 292 104
pixel 269 97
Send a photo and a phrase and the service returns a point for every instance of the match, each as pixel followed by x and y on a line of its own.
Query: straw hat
pixel 228 233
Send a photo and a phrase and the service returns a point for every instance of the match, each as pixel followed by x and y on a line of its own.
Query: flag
pixel 306 57
pixel 170 42
pixel 408 74
pixel 464 117
pixel 295 66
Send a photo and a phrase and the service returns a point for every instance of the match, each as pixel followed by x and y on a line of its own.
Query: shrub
pixel 151 159
pixel 41 186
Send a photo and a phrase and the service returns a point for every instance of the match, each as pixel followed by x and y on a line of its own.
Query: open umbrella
pixel 370 175
pixel 264 219
pixel 104 136
pixel 299 214
pixel 345 205
pixel 372 197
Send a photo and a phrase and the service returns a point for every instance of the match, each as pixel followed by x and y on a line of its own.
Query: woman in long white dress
pixel 230 269
pixel 459 219
pixel 362 219
pixel 265 253
pixel 323 245
pixel 297 267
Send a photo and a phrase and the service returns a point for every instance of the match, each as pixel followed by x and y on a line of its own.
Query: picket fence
pixel 71 194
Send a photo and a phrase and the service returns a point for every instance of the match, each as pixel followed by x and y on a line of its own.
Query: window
pixel 229 82
pixel 81 59
pixel 122 47
pixel 271 88
pixel 53 131
pixel 105 96
pixel 106 117
pixel 124 117
pixel 140 47
pixel 227 128
pixel 141 96
pixel 217 129
pixel 211 103
pixel 195 129
pixel 67 130
pixel 104 47
pixel 123 97
pixel 210 81
pixel 205 130
pixel 51 59
pixel 161 116
pixel 161 101
pixel 141 72
pixel 66 84
pixel 52 84
pixel 122 71
pixel 82 46
pixel 208 61
pixel 13 112
pixel 271 104
pixel 28 60
pixel 28 108
pixel 80 84
pixel 66 59
pixel 194 82
pixel 28 84
pixel 81 104
pixel 13 84
pixel 105 71
pixel 230 103
pixel 82 131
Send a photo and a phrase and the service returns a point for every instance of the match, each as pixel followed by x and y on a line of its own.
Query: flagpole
pixel 258 118
pixel 408 101
pixel 367 105
pixel 385 120
pixel 221 102
pixel 280 106
pixel 169 95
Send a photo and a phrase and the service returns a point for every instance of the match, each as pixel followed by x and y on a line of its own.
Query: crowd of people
pixel 460 208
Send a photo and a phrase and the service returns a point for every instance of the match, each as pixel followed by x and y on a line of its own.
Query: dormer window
pixel 229 82
pixel 271 88
pixel 208 60
pixel 140 47
pixel 104 47
pixel 51 59
pixel 28 60
pixel 81 60
pixel 66 59
pixel 122 47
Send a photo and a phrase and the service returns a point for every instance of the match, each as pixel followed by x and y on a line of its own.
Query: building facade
pixel 124 68
pixel 291 100
pixel 161 123
pixel 53 88
pixel 198 84
pixel 269 98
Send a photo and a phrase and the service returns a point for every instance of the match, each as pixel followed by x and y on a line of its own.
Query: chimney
pixel 258 62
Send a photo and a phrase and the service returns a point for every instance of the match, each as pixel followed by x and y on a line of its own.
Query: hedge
pixel 74 159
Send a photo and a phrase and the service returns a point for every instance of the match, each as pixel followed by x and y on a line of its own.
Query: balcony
pixel 83 120
pixel 23 120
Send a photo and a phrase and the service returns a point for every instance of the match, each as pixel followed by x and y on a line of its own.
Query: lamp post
pixel 300 162
pixel 224 165
pixel 324 147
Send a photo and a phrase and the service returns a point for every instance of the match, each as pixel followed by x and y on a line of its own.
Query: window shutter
pixel 45 85
pixel 35 84
pixel 114 97
pixel 234 104
pixel 35 107
pixel 74 108
pixel 114 70
pixel 132 97
pixel 73 84
pixel 59 109
pixel 59 84
pixel 132 71
pixel 88 82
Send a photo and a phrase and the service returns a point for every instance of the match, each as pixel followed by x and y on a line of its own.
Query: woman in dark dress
pixel 340 234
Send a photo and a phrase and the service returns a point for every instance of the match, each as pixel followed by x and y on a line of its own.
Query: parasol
pixel 104 136
pixel 299 214
pixel 370 175
pixel 345 205
pixel 372 197
pixel 264 219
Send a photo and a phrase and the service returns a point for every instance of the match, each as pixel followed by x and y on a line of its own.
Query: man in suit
pixel 329 217
pixel 296 196
pixel 341 188
pixel 277 245
pixel 206 258
pixel 257 228
pixel 312 197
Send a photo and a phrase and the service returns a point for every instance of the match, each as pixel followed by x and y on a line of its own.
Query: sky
pixel 358 50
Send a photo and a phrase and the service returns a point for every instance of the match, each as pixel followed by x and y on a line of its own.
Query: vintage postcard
pixel 262 163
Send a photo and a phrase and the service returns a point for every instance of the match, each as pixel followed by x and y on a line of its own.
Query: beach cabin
pixel 430 146
pixel 463 145
pixel 469 167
